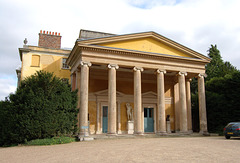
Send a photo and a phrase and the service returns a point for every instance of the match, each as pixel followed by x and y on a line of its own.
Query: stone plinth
pixel 130 127
pixel 168 127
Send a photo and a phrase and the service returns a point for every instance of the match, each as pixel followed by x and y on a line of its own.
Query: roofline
pixel 164 39
pixel 28 48
pixel 82 46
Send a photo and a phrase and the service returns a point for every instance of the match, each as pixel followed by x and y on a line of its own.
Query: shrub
pixel 42 107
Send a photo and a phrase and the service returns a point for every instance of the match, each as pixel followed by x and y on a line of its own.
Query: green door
pixel 148 120
pixel 105 119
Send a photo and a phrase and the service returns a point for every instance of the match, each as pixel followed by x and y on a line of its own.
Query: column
pixel 84 83
pixel 73 81
pixel 119 118
pixel 189 108
pixel 202 105
pixel 112 99
pixel 183 104
pixel 177 107
pixel 137 101
pixel 161 102
pixel 77 83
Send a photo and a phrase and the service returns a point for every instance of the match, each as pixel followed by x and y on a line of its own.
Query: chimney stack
pixel 49 39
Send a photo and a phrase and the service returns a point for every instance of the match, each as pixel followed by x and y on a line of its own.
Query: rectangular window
pixel 64 64
pixel 35 60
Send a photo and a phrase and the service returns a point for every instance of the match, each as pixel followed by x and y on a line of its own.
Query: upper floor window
pixel 35 61
pixel 64 64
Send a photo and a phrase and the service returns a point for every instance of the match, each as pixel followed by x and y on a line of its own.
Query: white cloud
pixel 7 85
pixel 195 24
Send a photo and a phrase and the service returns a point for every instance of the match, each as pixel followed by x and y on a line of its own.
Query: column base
pixel 138 133
pixel 83 134
pixel 204 133
pixel 111 134
pixel 162 133
pixel 119 132
pixel 98 132
pixel 184 133
pixel 190 131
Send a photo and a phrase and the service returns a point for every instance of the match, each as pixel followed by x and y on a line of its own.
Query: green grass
pixel 51 141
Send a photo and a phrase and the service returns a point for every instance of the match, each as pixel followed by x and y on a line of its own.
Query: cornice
pixel 28 49
pixel 139 53
pixel 154 35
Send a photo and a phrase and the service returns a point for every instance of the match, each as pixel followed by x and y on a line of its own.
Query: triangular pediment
pixel 148 42
pixel 149 94
pixel 105 93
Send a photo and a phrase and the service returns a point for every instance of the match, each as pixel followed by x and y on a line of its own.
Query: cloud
pixel 7 85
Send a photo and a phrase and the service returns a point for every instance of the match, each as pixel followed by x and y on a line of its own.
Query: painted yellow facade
pixel 147 45
pixel 40 58
pixel 145 71
pixel 109 69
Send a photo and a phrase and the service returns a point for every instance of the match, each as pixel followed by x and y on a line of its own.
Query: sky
pixel 194 23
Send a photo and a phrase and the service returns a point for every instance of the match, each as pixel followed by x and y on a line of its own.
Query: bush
pixel 42 107
pixel 51 141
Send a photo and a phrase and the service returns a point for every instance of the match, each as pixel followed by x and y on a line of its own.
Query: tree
pixel 42 107
pixel 223 101
pixel 219 101
pixel 217 67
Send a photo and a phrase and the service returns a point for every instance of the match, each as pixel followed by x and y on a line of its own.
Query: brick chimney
pixel 49 39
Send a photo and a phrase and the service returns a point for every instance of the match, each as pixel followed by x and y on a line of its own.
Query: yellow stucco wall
pixel 48 62
pixel 147 45
pixel 126 87
pixel 92 111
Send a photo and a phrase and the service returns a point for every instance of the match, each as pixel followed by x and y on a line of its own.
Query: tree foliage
pixel 217 67
pixel 42 107
pixel 222 92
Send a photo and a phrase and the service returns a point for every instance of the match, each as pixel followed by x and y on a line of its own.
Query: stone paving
pixel 145 149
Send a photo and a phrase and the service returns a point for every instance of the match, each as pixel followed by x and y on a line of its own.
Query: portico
pixel 145 70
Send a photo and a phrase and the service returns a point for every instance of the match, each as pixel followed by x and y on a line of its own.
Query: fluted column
pixel 202 105
pixel 189 108
pixel 83 115
pixel 112 99
pixel 161 102
pixel 183 104
pixel 137 101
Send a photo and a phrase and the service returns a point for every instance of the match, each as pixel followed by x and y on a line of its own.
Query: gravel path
pixel 180 149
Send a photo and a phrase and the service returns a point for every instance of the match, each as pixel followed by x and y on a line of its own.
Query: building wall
pixel 48 61
pixel 126 88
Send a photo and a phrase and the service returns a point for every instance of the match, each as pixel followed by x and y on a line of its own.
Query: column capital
pixel 189 79
pixel 113 66
pixel 159 71
pixel 182 73
pixel 82 63
pixel 202 75
pixel 138 68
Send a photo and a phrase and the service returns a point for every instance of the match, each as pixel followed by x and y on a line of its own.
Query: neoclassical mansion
pixel 134 83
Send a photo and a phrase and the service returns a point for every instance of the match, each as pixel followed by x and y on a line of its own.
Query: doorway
pixel 105 119
pixel 148 120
